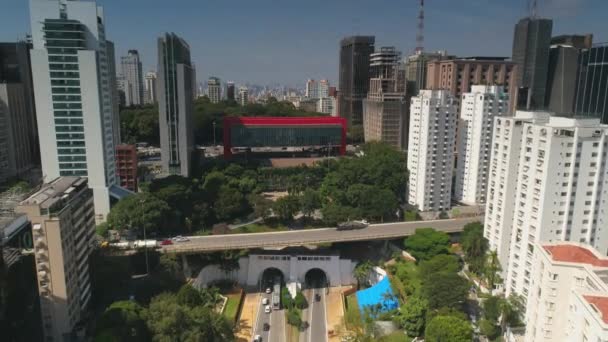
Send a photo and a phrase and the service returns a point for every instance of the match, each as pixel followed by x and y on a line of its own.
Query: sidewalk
pixel 335 312
pixel 245 324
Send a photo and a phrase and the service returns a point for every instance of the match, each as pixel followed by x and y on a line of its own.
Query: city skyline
pixel 260 56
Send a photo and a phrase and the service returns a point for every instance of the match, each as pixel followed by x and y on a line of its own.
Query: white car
pixel 268 290
pixel 180 238
pixel 257 338
pixel 267 309
pixel 264 301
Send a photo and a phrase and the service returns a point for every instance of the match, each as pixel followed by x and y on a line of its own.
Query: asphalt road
pixel 276 320
pixel 313 236
pixel 315 316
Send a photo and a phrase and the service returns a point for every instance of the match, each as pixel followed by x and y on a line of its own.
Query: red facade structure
pixel 126 166
pixel 318 131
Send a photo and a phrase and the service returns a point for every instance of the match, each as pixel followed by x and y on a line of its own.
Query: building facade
pixel 133 74
pixel 592 90
pixel 214 86
pixel 126 166
pixel 111 57
pixel 150 91
pixel 354 76
pixel 385 110
pixel 75 126
pixel 317 89
pixel 19 150
pixel 531 43
pixel 430 159
pixel 243 98
pixel 477 112
pixel 230 91
pixel 326 105
pixel 175 104
pixel 63 228
pixel 547 183
pixel 416 69
pixel 569 297
pixel 459 75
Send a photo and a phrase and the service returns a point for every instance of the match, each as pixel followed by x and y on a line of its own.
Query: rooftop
pixel 575 254
pixel 54 192
pixel 600 305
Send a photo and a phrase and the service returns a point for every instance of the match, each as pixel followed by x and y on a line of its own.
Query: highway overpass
pixel 384 231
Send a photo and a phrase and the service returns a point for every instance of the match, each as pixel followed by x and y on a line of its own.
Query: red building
pixel 315 132
pixel 126 166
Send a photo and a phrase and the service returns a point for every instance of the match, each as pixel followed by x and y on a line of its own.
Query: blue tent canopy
pixel 377 296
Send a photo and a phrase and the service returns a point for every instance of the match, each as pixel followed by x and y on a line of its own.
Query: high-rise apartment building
pixel 63 230
pixel 478 109
pixel 317 89
pixel 531 43
pixel 459 75
pixel 175 104
pixel 19 149
pixel 132 72
pixel 354 76
pixel 243 98
pixel 126 166
pixel 385 112
pixel 230 91
pixel 74 102
pixel 326 105
pixel 416 69
pixel 214 92
pixel 150 92
pixel 592 90
pixel 430 158
pixel 569 297
pixel 547 182
pixel 563 71
pixel 111 57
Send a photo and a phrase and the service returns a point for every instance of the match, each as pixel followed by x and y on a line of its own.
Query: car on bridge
pixel 349 225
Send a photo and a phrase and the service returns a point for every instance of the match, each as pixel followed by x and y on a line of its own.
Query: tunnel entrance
pixel 316 278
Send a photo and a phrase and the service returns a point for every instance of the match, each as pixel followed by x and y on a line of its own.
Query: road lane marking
pixel 324 312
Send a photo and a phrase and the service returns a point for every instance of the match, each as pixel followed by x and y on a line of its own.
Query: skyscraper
pixel 214 92
pixel 115 96
pixel 132 72
pixel 592 89
pixel 477 111
pixel 19 149
pixel 150 95
pixel 416 68
pixel 63 230
pixel 230 91
pixel 430 158
pixel 317 89
pixel 243 99
pixel 531 43
pixel 354 76
pixel 73 95
pixel 175 104
pixel 547 183
pixel 385 112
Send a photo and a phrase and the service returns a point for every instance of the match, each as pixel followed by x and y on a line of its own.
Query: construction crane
pixel 420 33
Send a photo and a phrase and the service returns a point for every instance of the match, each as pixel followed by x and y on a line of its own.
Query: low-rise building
pixel 126 166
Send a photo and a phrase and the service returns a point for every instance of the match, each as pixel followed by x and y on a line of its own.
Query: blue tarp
pixel 379 295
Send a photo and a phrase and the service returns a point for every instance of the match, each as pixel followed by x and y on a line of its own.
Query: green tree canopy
pixel 445 289
pixel 230 203
pixel 138 211
pixel 439 263
pixel 474 246
pixel 122 321
pixel 426 243
pixel 412 316
pixel 286 207
pixel 448 328
pixel 309 202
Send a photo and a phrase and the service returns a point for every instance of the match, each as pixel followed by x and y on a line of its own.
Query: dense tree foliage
pixel 448 328
pixel 427 243
pixel 140 125
pixel 122 321
pixel 361 272
pixel 474 246
pixel 412 315
pixel 139 211
pixel 444 289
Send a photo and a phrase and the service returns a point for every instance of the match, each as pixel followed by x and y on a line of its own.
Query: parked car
pixel 257 338
pixel 317 297
pixel 166 242
pixel 268 290
pixel 267 309
pixel 264 301
pixel 266 326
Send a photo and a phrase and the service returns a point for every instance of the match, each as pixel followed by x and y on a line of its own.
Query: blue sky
pixel 265 41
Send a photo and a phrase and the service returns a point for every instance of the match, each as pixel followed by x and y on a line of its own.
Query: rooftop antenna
pixel 420 34
pixel 533 8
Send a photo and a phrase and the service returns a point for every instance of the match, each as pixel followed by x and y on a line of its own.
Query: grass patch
pixel 397 336
pixel 257 228
pixel 232 306
pixel 352 316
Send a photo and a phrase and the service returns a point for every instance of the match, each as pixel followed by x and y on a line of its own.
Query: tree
pixel 439 263
pixel 262 207
pixel 491 270
pixel 286 299
pixel 286 207
pixel 445 290
pixel 361 272
pixel 474 246
pixel 489 329
pixel 138 211
pixel 511 312
pixel 448 328
pixel 412 316
pixel 102 230
pixel 294 317
pixel 122 321
pixel 300 301
pixel 189 296
pixel 335 213
pixel 309 202
pixel 426 243
pixel 229 203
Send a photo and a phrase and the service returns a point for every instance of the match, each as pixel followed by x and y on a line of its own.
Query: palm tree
pixel 511 311
pixel 492 270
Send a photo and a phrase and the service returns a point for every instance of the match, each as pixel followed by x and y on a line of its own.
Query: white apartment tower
pixel 133 75
pixel 243 97
pixel 548 182
pixel 150 96
pixel 430 159
pixel 477 111
pixel 74 100
pixel 214 91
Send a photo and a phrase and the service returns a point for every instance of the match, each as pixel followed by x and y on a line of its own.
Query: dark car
pixel 317 297
pixel 266 326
